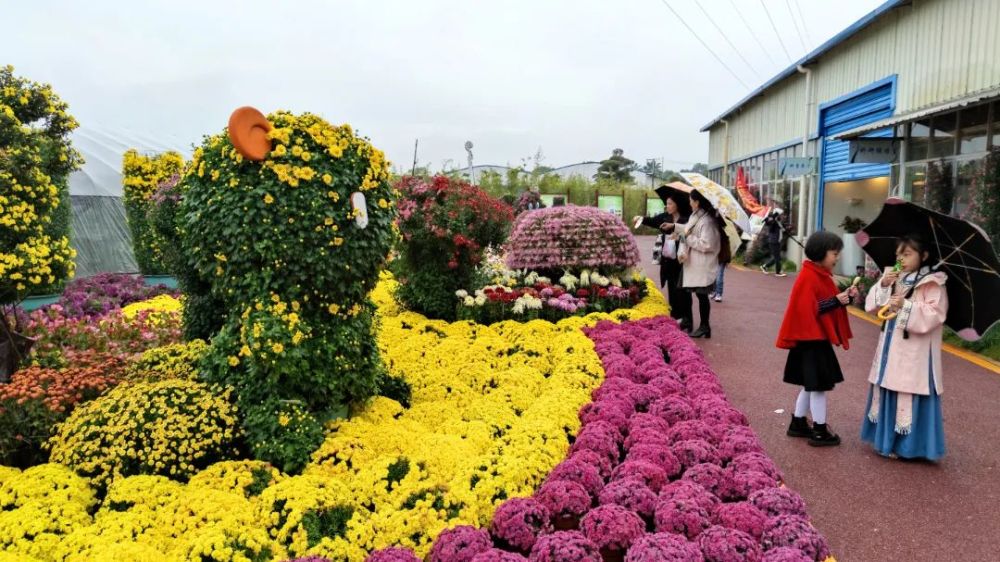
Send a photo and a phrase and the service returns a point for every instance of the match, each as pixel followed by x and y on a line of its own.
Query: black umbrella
pixel 958 248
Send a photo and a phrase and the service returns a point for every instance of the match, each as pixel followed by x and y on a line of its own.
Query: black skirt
pixel 813 365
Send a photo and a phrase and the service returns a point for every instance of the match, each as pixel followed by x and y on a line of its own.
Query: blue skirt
pixel 926 437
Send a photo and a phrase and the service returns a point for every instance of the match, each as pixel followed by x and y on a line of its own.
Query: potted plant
pixel 852 256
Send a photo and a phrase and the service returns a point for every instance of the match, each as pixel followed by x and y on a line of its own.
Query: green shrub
pixel 141 177
pixel 446 225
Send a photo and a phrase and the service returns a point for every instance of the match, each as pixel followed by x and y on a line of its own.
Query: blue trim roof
pixel 815 54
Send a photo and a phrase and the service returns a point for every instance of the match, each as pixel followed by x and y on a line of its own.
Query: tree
pixel 36 158
pixel 985 209
pixel 617 168
pixel 698 168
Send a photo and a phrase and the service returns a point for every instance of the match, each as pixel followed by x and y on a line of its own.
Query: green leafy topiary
pixel 289 260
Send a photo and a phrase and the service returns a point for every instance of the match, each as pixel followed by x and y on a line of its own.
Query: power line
pixel 703 44
pixel 795 22
pixel 767 52
pixel 798 8
pixel 726 37
pixel 775 28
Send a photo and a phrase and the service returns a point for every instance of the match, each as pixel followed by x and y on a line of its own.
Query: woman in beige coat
pixel 701 243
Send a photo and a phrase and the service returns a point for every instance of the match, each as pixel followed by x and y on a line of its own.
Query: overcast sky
pixel 574 77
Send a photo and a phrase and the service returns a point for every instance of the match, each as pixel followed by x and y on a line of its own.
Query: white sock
pixel 817 405
pixel 802 404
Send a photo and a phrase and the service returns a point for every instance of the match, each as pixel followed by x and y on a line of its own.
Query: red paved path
pixel 870 508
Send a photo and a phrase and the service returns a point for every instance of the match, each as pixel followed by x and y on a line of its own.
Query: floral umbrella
pixel 720 198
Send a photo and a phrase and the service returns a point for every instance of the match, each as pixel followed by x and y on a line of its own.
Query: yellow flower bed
pixel 160 308
pixel 491 407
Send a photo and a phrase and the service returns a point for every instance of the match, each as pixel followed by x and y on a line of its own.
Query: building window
pixel 943 135
pixel 916 180
pixel 967 171
pixel 919 140
pixel 973 132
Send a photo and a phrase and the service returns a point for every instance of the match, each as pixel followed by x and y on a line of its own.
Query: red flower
pixel 602 292
pixel 452 264
pixel 582 293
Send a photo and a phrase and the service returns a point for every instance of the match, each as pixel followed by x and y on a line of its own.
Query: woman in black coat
pixel 677 209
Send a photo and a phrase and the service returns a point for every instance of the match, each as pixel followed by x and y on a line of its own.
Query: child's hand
pixel 853 292
pixel 889 278
pixel 844 298
pixel 896 302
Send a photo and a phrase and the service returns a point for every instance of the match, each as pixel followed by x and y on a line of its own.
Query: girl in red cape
pixel 814 322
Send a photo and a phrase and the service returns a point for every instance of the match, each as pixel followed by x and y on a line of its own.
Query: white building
pixel 923 75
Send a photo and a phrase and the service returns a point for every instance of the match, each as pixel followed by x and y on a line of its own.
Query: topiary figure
pixel 288 220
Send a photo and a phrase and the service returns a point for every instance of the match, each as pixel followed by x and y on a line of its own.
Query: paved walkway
pixel 869 508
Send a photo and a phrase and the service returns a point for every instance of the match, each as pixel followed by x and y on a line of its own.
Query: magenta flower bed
pixel 664 468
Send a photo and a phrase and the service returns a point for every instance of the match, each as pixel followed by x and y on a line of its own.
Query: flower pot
pixel 609 555
pixel 566 523
pixel 851 257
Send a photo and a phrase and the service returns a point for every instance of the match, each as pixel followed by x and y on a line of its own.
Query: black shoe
pixel 685 325
pixel 799 427
pixel 702 332
pixel 822 437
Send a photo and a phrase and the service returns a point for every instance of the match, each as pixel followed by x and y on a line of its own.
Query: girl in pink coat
pixel 903 414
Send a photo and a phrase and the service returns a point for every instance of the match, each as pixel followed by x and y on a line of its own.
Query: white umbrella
pixel 720 198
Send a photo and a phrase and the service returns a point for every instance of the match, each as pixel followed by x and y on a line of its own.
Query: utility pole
pixel 472 172
pixel 413 171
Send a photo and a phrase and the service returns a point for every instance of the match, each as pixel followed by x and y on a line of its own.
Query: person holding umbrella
pixel 939 271
pixel 903 414
pixel 677 210
pixel 704 246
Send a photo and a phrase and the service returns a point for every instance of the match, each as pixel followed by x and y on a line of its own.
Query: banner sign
pixel 793 167
pixel 873 151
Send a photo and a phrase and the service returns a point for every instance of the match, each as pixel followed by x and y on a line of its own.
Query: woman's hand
pixel 667 227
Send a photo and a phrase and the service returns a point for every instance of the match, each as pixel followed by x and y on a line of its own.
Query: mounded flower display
pixel 571 237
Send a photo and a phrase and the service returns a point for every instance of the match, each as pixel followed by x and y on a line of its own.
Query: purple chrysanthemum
pixel 742 516
pixel 612 527
pixel 459 544
pixel 695 451
pixel 563 499
pixel 575 470
pixel 778 501
pixel 666 385
pixel 657 454
pixel 632 494
pixel 652 475
pixel 681 516
pixel 709 476
pixel 497 555
pixel 756 461
pixel 519 522
pixel 673 409
pixel 738 484
pixel 647 421
pixel 692 429
pixel 664 547
pixel 601 462
pixel 796 532
pixel 648 436
pixel 565 546
pixel 686 489
pixel 721 544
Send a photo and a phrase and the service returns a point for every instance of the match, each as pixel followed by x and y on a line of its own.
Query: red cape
pixel 802 319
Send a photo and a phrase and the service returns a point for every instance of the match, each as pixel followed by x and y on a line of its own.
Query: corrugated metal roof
pixel 814 55
pixel 922 112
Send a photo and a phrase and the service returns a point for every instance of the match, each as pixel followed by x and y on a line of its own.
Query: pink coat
pixel 700 251
pixel 909 359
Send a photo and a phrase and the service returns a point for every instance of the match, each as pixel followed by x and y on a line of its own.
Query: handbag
pixel 670 249
pixel 658 249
